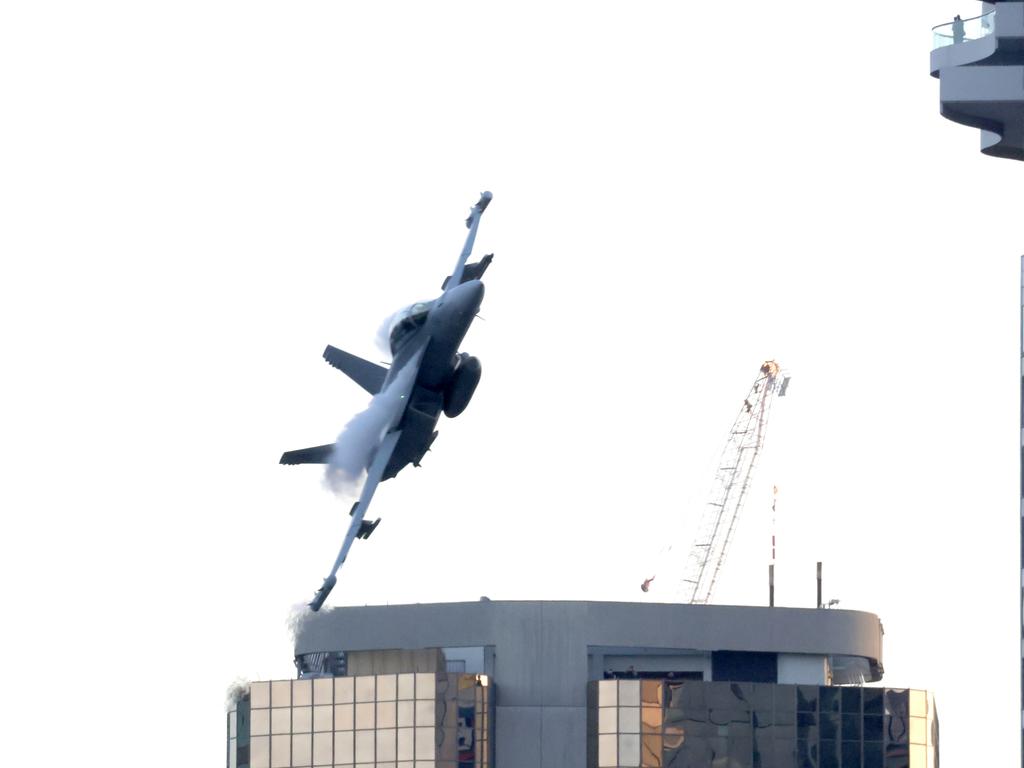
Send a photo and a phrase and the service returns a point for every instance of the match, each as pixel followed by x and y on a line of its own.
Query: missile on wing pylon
pixel 323 592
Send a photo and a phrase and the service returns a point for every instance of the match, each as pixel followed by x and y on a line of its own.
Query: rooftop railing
pixel 962 30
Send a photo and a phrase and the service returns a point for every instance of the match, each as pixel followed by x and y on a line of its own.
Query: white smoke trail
pixel 236 691
pixel 355 446
pixel 383 337
pixel 297 616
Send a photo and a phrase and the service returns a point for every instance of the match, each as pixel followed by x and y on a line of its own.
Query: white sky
pixel 196 197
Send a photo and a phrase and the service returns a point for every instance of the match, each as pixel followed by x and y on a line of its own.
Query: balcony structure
pixel 980 65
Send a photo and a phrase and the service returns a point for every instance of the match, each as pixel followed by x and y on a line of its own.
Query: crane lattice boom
pixel 732 480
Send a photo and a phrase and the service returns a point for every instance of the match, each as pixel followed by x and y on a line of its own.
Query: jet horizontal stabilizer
pixel 320 454
pixel 367 375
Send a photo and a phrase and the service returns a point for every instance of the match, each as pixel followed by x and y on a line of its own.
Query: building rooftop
pixel 569 635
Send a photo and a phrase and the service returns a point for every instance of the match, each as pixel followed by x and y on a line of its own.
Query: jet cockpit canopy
pixel 407 322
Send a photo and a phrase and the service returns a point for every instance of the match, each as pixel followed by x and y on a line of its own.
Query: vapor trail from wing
pixel 355 446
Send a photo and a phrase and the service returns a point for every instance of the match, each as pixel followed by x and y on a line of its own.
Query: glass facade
pixel 412 720
pixel 695 724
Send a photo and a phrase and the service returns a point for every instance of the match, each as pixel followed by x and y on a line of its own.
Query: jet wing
pixel 396 396
pixel 373 478
pixel 472 223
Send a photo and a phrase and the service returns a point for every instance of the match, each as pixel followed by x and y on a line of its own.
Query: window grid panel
pixel 386 714
pixel 259 695
pixel 424 749
pixel 425 711
pixel 365 715
pixel 259 722
pixel 344 717
pixel 386 747
pixel 426 685
pixel 365 743
pixel 607 693
pixel 281 693
pixel 302 750
pixel 323 718
pixel 406 713
pixel 302 719
pixel 344 690
pixel 344 747
pixel 259 752
pixel 629 693
pixel 387 688
pixel 856 737
pixel 323 752
pixel 365 688
pixel 280 720
pixel 280 751
pixel 406 686
pixel 629 719
pixel 629 749
pixel 323 690
pixel 406 739
pixel 302 693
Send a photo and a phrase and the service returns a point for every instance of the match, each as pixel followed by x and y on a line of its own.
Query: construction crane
pixel 732 480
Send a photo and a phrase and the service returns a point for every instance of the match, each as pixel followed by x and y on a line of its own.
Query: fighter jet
pixel 428 375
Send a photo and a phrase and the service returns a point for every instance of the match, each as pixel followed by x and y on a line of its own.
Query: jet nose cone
pixel 461 303
pixel 467 297
pixel 474 293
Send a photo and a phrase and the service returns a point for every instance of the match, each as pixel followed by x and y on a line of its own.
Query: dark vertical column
pixel 820 604
pixel 242 727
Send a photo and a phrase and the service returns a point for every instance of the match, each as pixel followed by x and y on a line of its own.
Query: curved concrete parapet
pixel 981 77
pixel 965 53
pixel 558 633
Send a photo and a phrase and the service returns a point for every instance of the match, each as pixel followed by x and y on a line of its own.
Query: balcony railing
pixel 963 30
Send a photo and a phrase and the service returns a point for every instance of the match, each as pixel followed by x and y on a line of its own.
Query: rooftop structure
pixel 583 684
pixel 980 65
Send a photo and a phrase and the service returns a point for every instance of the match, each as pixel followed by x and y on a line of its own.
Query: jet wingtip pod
pixel 479 208
pixel 321 594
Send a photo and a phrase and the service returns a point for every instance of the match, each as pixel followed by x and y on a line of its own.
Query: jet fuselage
pixel 439 337
pixel 428 376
